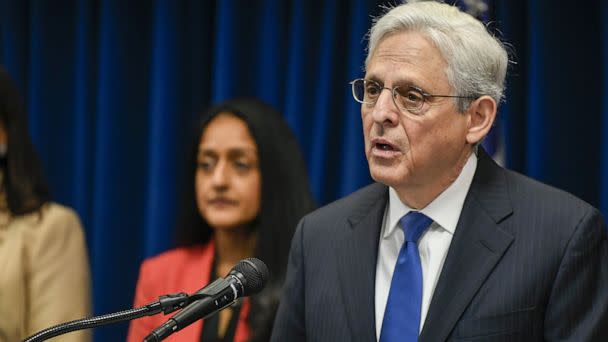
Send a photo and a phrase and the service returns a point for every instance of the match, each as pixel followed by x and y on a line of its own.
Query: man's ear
pixel 482 113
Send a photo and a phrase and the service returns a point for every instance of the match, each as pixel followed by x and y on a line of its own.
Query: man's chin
pixel 384 174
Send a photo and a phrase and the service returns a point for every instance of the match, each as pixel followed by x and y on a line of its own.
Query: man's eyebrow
pixel 404 81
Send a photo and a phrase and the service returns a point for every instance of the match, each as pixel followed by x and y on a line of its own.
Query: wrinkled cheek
pixel 366 148
pixel 366 143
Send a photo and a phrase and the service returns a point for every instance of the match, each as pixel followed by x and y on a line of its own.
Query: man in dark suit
pixel 447 245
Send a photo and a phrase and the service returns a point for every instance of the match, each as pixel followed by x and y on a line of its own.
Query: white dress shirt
pixel 433 244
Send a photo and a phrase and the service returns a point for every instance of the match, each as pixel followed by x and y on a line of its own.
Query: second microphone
pixel 246 278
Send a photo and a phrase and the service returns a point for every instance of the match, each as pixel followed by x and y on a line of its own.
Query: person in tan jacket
pixel 44 270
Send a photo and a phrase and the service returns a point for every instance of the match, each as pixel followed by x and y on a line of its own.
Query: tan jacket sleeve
pixel 58 278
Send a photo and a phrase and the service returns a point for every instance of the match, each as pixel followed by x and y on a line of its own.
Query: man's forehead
pixel 407 55
pixel 405 47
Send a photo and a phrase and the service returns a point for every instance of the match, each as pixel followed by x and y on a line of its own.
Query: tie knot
pixel 413 224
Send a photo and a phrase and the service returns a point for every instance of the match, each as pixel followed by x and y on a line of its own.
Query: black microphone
pixel 247 277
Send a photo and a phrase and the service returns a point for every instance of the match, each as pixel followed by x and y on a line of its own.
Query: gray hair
pixel 476 60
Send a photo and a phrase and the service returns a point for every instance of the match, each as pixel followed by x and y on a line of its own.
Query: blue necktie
pixel 401 320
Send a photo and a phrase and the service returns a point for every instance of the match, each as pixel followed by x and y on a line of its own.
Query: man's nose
pixel 385 112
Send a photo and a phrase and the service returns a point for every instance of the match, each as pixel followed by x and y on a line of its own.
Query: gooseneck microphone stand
pixel 166 304
pixel 250 274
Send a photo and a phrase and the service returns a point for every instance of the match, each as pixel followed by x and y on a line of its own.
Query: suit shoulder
pixel 529 195
pixel 52 218
pixel 352 205
pixel 175 256
pixel 526 188
pixel 56 211
pixel 175 259
pixel 349 203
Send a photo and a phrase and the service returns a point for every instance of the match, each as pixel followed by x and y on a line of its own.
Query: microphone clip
pixel 217 291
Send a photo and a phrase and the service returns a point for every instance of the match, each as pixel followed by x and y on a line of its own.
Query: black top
pixel 210 325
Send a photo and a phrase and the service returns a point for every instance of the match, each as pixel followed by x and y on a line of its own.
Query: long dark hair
pixel 285 198
pixel 24 184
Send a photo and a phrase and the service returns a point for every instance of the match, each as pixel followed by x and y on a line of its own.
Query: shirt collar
pixel 444 209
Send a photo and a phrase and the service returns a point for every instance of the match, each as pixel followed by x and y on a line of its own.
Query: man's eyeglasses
pixel 406 98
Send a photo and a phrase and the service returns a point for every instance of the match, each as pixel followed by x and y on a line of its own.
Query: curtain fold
pixel 322 95
pixel 554 102
pixel 604 128
pixel 112 88
pixel 165 109
pixel 535 134
pixel 354 152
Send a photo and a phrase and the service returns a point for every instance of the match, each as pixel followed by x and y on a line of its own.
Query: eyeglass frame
pixel 394 94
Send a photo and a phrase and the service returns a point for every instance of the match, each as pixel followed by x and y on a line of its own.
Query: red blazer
pixel 185 269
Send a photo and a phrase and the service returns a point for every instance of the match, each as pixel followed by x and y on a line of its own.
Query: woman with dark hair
pixel 246 190
pixel 44 272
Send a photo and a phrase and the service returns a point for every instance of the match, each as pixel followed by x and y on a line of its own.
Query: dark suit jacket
pixel 527 262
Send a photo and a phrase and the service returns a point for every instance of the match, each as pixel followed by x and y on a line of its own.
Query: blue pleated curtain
pixel 112 88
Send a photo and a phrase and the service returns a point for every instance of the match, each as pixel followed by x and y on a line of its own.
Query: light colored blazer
pixel 44 273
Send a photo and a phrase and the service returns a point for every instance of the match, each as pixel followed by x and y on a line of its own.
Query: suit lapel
pixel 477 245
pixel 357 251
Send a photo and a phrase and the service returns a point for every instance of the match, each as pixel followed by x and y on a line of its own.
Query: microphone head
pixel 255 274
